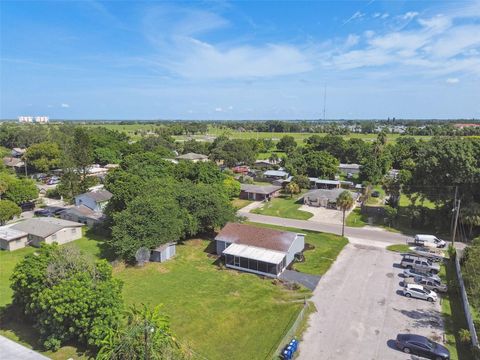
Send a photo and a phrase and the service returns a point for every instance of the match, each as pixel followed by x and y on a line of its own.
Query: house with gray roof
pixel 259 192
pixel 275 175
pixel 193 157
pixel 12 239
pixel 94 200
pixel 258 250
pixel 83 214
pixel 49 230
pixel 325 197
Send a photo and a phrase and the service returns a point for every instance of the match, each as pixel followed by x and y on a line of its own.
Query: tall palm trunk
pixel 343 224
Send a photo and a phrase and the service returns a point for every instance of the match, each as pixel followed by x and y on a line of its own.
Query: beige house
pixel 49 230
pixel 12 239
pixel 193 157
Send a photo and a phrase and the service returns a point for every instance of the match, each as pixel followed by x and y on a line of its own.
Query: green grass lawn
pixel 284 206
pixel 454 315
pixel 8 260
pixel 356 219
pixel 326 248
pixel 401 248
pixel 215 312
pixel 404 201
pixel 240 203
pixel 377 200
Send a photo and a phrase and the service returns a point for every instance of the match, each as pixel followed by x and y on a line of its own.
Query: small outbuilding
pixel 258 250
pixel 349 168
pixel 327 184
pixel 259 192
pixel 12 239
pixel 275 175
pixel 164 252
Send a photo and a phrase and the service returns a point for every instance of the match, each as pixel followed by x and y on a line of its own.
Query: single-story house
pixel 259 192
pixel 163 252
pixel 262 164
pixel 14 163
pixel 12 239
pixel 241 169
pixel 327 184
pixel 49 230
pixel 349 168
pixel 95 200
pixel 324 197
pixel 83 214
pixel 258 250
pixel 193 157
pixel 275 175
pixel 283 182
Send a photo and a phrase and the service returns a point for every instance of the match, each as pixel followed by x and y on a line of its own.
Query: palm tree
pixel 344 202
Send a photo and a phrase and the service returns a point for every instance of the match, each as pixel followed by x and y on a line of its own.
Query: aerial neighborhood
pixel 280 237
pixel 240 180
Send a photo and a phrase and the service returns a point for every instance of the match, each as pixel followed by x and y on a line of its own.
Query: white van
pixel 429 240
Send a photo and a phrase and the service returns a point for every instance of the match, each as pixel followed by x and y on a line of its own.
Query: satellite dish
pixel 142 256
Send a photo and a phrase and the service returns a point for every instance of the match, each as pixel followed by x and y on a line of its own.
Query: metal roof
pixel 259 189
pixel 329 182
pixel 275 173
pixel 44 227
pixel 9 234
pixel 98 195
pixel 192 156
pixel 349 166
pixel 257 236
pixel 255 253
pixel 330 195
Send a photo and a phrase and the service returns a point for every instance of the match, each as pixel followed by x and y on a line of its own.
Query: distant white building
pixel 25 119
pixel 41 119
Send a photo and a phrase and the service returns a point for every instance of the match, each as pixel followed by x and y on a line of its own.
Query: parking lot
pixel 360 309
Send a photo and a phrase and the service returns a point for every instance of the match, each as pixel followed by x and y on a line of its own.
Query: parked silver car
pixel 427 283
pixel 419 292
pixel 416 273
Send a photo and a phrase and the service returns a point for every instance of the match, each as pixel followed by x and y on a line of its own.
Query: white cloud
pixel 355 16
pixel 352 40
pixel 64 105
pixel 409 15
pixel 218 109
pixel 452 80
pixel 385 15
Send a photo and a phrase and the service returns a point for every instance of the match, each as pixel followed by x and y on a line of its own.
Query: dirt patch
pixel 235 294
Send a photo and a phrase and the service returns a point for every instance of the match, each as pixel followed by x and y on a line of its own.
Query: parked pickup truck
pixel 427 283
pixel 411 261
pixel 429 253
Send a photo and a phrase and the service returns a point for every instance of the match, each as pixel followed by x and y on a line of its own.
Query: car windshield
pixel 430 344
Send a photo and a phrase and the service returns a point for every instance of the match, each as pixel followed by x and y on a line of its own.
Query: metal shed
pixel 164 252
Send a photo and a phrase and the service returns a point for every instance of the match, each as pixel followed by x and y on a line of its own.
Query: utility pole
pixel 457 208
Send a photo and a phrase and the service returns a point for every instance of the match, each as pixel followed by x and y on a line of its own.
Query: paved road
pixel 367 233
pixel 360 309
pixel 10 350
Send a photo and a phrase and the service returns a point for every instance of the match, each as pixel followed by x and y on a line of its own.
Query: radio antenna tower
pixel 324 101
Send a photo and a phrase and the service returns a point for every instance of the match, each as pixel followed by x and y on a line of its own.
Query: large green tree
pixel 43 157
pixel 321 164
pixel 8 210
pixel 287 144
pixel 67 295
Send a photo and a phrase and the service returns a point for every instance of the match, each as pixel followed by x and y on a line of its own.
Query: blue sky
pixel 240 60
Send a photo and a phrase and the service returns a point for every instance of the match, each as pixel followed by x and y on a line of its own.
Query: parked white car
pixel 419 292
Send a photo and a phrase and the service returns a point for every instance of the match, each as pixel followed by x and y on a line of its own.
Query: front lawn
pixel 240 203
pixel 284 206
pixel 324 251
pixel 356 219
pixel 216 312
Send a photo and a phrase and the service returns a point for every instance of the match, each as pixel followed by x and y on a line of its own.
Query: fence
pixel 466 305
pixel 290 332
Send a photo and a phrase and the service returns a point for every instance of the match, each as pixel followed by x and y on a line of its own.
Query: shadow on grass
pixel 13 321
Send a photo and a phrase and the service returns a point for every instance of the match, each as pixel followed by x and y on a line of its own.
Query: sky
pixel 240 60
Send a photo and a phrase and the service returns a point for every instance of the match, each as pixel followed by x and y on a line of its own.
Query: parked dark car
pixel 43 213
pixel 422 346
pixel 27 206
pixel 376 193
pixel 56 210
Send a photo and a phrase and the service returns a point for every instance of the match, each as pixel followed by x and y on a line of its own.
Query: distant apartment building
pixel 31 119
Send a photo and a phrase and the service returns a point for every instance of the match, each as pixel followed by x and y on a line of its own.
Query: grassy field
pixel 405 201
pixel 356 219
pixel 376 201
pixel 454 315
pixel 206 305
pixel 240 203
pixel 284 206
pixel 324 251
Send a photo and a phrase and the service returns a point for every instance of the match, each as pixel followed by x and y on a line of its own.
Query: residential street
pixel 366 233
pixel 10 350
pixel 360 309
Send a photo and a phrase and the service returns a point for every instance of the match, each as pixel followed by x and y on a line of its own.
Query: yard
pixel 324 249
pixel 284 206
pixel 216 312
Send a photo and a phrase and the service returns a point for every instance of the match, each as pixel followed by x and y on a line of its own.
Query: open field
pixel 325 249
pixel 284 206
pixel 206 305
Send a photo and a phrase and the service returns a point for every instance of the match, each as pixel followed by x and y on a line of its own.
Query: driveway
pixel 323 215
pixel 360 309
pixel 10 350
pixel 307 280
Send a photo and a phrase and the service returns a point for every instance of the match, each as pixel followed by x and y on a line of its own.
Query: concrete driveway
pixel 10 350
pixel 360 309
pixel 323 215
